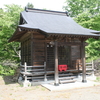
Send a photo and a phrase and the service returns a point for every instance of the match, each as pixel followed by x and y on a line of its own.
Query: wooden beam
pixel 56 64
pixel 83 62
pixel 71 43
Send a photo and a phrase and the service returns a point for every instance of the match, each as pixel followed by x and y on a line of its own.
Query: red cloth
pixel 62 67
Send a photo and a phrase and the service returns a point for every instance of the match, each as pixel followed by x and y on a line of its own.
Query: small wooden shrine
pixel 48 39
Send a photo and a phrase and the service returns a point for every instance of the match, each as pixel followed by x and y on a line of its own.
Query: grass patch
pixel 43 89
pixel 97 79
pixel 29 89
pixel 37 87
pixel 10 93
pixel 0 78
pixel 21 85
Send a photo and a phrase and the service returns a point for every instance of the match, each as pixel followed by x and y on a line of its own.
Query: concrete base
pixel 50 83
pixel 84 81
pixel 92 77
pixel 24 83
pixel 28 83
pixel 75 85
pixel 42 82
pixel 78 84
pixel 56 84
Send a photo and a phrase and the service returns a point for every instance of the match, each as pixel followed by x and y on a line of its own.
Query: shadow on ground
pixel 9 80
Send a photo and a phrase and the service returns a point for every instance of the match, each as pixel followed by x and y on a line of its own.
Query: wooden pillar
pixel 56 64
pixel 32 50
pixel 45 63
pixel 83 62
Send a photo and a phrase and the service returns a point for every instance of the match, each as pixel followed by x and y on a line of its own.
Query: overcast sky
pixel 40 4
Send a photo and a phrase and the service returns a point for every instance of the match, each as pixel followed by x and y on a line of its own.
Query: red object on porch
pixel 62 67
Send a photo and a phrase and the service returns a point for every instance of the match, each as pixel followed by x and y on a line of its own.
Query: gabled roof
pixel 52 22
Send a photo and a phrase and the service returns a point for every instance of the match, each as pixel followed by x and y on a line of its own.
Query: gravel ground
pixel 13 91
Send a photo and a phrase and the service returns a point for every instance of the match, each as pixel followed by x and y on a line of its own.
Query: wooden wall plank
pixel 39 48
pixel 75 56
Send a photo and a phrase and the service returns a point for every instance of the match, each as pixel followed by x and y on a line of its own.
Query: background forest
pixel 84 12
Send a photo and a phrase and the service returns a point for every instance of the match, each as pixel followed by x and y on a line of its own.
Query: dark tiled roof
pixel 53 22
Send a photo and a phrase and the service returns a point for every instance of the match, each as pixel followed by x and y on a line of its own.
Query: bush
pixel 97 64
pixel 8 67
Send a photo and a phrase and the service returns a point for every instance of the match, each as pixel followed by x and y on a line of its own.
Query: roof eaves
pixel 16 35
pixel 71 34
pixel 32 29
pixel 76 35
pixel 11 39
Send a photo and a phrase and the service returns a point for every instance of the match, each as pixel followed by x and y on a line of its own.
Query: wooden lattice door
pixel 63 56
pixel 50 58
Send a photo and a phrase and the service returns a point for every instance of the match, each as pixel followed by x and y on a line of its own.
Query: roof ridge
pixel 45 11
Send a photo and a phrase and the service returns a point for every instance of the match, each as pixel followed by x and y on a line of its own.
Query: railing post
pixel 92 68
pixel 45 75
pixel 25 71
pixel 79 69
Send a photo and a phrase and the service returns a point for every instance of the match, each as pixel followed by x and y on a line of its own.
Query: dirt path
pixel 15 92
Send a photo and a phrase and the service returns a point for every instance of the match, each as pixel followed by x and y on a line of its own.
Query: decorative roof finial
pixel 67 13
pixel 26 9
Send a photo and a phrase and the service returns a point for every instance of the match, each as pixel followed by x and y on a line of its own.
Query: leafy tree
pixel 86 13
pixel 8 22
pixel 30 5
pixel 9 19
pixel 76 7
pixel 93 48
pixel 87 21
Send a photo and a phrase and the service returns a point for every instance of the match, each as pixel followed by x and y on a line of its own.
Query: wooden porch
pixel 41 76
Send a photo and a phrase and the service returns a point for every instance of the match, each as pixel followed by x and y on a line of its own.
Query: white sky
pixel 40 4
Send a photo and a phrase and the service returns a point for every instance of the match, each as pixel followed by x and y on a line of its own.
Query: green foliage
pixel 86 13
pixel 8 67
pixel 93 48
pixel 76 7
pixel 5 70
pixel 89 21
pixel 9 19
pixel 98 79
pixel 30 5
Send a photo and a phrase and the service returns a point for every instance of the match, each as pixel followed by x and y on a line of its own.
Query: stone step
pixel 66 81
pixel 88 66
pixel 66 78
pixel 38 70
pixel 66 74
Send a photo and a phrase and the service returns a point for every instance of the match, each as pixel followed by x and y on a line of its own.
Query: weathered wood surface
pixel 70 43
pixel 75 56
pixel 26 51
pixel 56 63
pixel 39 49
pixel 36 49
pixel 83 62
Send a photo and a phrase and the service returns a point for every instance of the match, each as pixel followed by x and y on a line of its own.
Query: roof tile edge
pixel 45 11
